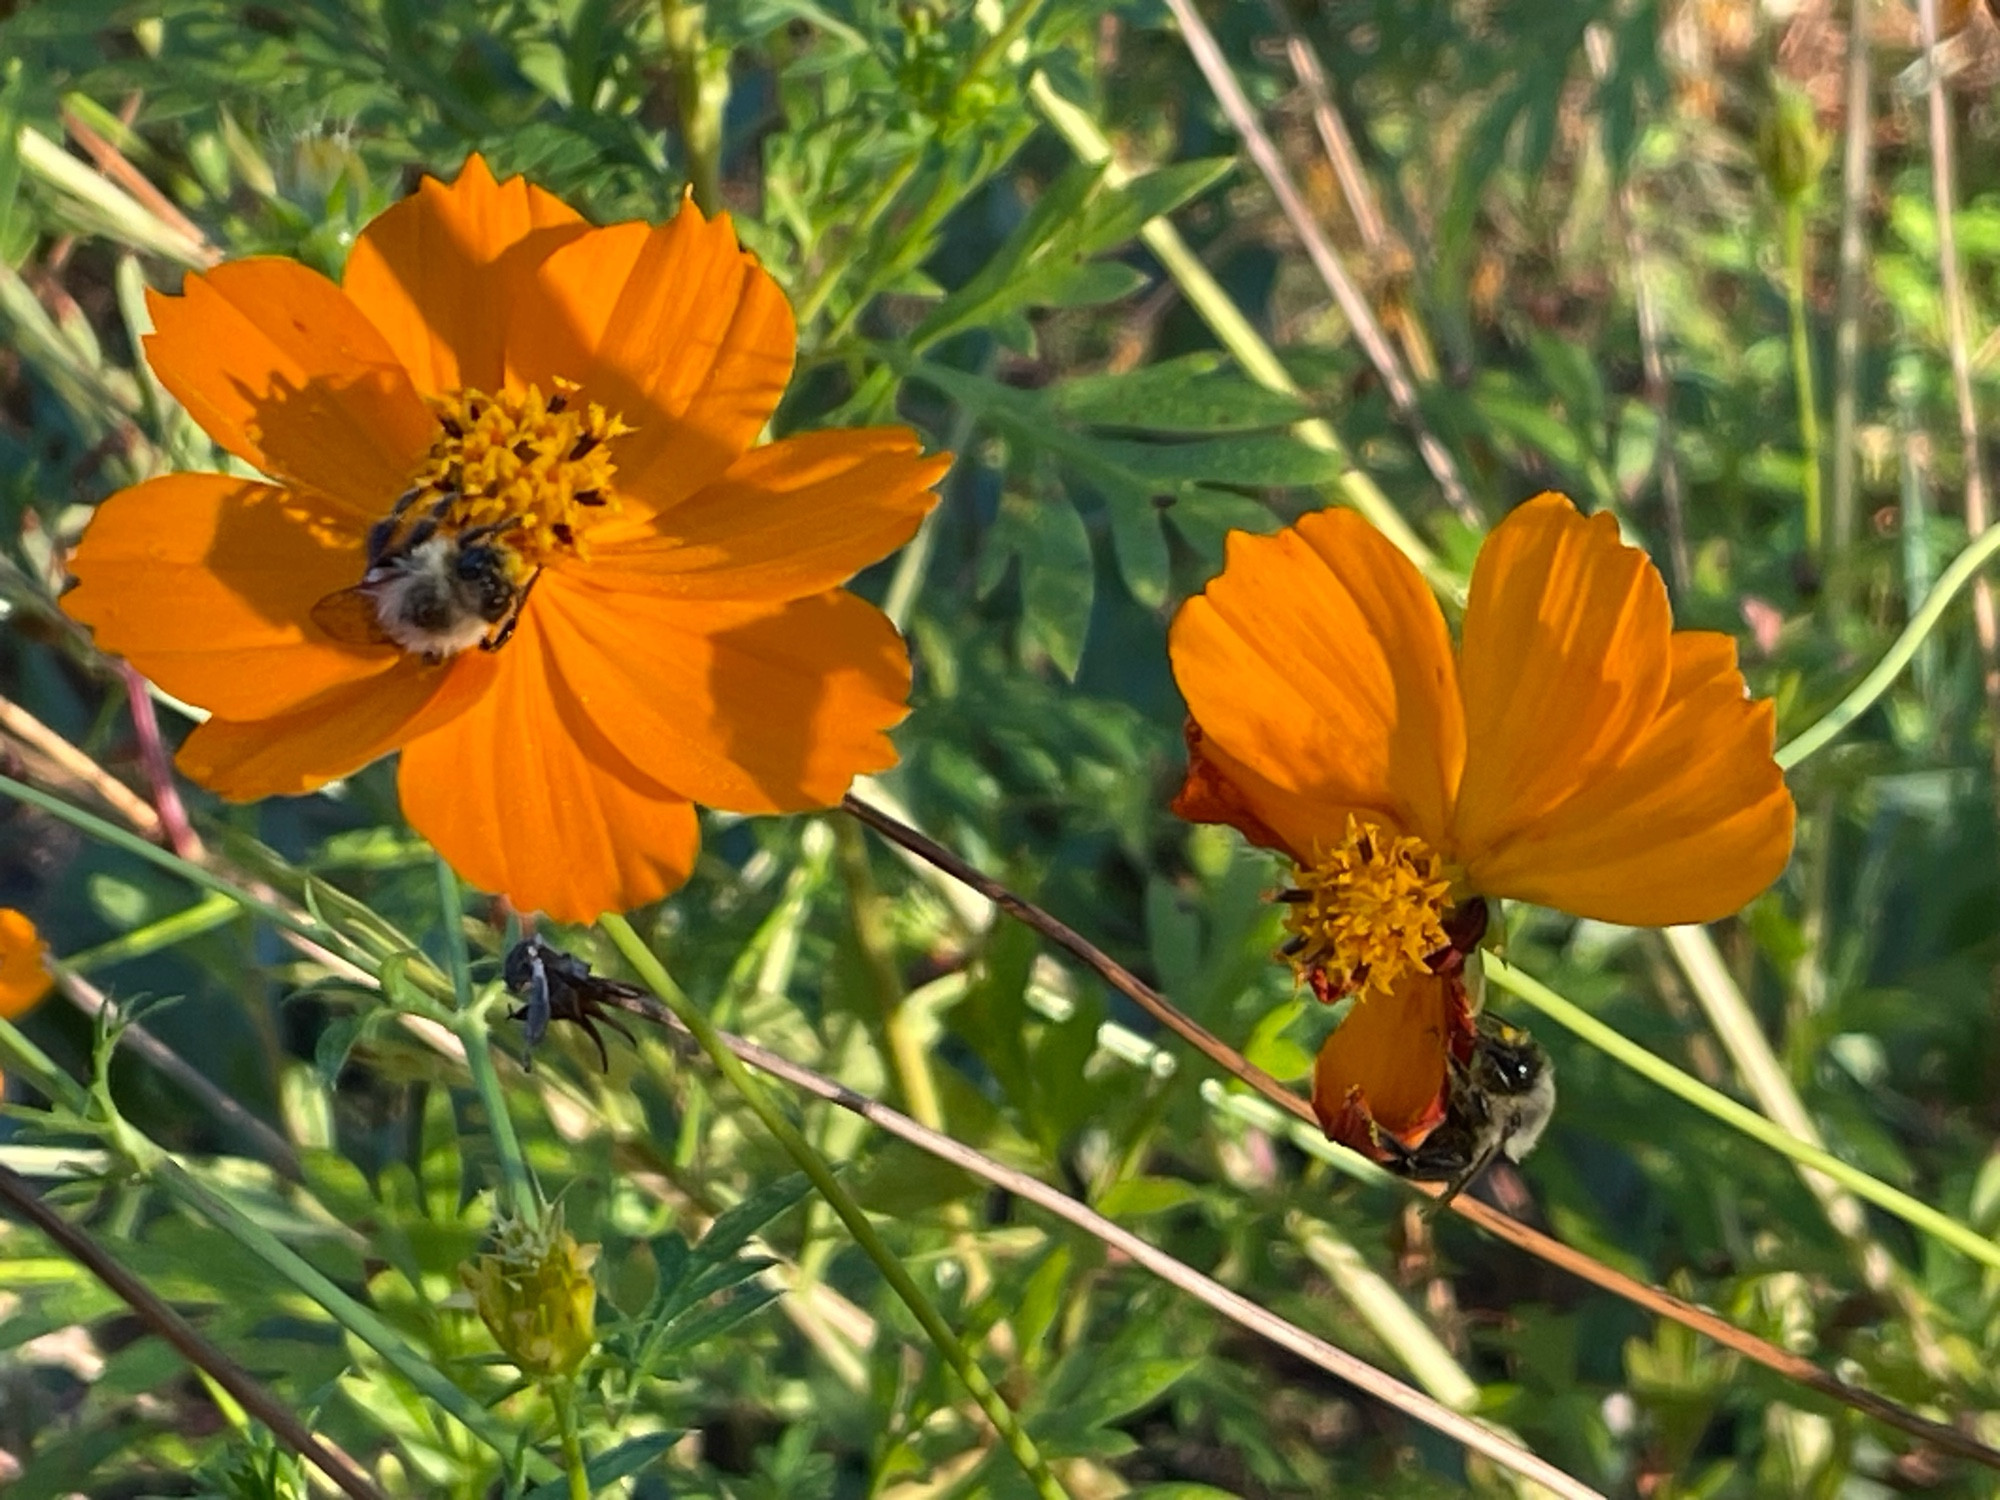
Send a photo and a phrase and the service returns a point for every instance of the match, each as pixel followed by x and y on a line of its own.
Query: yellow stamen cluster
pixel 539 466
pixel 1368 911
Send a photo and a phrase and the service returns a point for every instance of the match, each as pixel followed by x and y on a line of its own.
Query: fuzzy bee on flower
pixel 516 526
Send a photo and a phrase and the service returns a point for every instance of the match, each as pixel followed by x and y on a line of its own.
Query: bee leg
pixel 505 633
pixel 1462 1180
pixel 618 1026
pixel 527 1051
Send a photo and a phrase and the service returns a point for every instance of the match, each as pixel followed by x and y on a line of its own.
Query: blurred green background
pixel 1604 240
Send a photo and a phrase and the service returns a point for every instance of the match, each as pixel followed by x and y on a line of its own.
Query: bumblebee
pixel 428 590
pixel 558 986
pixel 1499 1102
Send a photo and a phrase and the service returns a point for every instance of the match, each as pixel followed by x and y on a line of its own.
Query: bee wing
pixel 349 617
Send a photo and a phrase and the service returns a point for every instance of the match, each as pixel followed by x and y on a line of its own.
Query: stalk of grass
pixel 1746 1121
pixel 1879 678
pixel 1856 173
pixel 654 975
pixel 701 96
pixel 1239 336
pixel 1802 373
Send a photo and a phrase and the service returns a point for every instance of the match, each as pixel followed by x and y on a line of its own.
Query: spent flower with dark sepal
pixel 535 1293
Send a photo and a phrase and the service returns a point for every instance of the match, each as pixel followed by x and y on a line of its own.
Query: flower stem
pixel 468 1024
pixel 212 911
pixel 816 1168
pixel 562 1395
pixel 1802 371
pixel 1917 1214
pixel 1863 694
pixel 701 92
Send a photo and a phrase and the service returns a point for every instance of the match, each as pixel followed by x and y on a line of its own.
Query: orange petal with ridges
pixel 1387 1063
pixel 24 975
pixel 1691 821
pixel 1566 659
pixel 333 735
pixel 206 584
pixel 1213 792
pixel 447 273
pixel 1318 661
pixel 754 707
pixel 678 330
pixel 525 797
pixel 789 519
pixel 287 374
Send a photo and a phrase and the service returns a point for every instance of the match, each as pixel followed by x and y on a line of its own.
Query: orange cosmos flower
pixel 24 975
pixel 1575 751
pixel 515 529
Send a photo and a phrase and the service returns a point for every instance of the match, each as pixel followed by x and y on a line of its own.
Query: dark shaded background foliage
pixel 1536 165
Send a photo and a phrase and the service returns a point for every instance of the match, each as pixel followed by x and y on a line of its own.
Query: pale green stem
pixel 1863 694
pixel 562 1395
pixel 998 1412
pixel 212 911
pixel 468 1024
pixel 361 1321
pixel 1226 321
pixel 1740 1117
pixel 701 91
pixel 166 859
pixel 1802 373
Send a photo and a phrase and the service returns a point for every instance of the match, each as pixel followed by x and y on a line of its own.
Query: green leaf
pixel 1137 1196
pixel 1058 575
pixel 612 1465
pixel 1195 393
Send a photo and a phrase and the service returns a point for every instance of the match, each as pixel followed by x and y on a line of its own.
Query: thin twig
pixel 1176 1273
pixel 1952 284
pixel 177 1331
pixel 1492 1220
pixel 120 798
pixel 1333 136
pixel 1353 306
pixel 181 837
pixel 114 164
pixel 1857 165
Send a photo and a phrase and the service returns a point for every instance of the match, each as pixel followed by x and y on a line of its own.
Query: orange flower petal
pixel 1212 791
pixel 206 584
pixel 1691 821
pixel 1318 662
pixel 752 707
pixel 789 519
pixel 334 734
pixel 1387 1063
pixel 524 796
pixel 446 273
pixel 676 329
pixel 283 371
pixel 24 975
pixel 1566 658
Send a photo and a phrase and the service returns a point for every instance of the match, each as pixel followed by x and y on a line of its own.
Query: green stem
pixel 562 1395
pixel 701 91
pixel 1802 370
pixel 357 1319
pixel 1863 694
pixel 468 1024
pixel 809 1161
pixel 1739 1117
pixel 166 859
pixel 212 911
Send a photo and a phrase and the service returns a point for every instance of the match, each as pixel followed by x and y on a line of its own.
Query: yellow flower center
pixel 1366 912
pixel 514 481
pixel 538 468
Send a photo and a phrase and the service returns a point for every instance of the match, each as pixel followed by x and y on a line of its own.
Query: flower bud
pixel 1791 148
pixel 535 1294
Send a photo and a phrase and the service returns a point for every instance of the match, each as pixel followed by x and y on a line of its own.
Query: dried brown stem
pixel 20 1195
pixel 1353 306
pixel 1492 1220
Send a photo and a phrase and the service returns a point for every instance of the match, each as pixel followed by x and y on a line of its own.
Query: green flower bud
pixel 535 1294
pixel 1791 148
